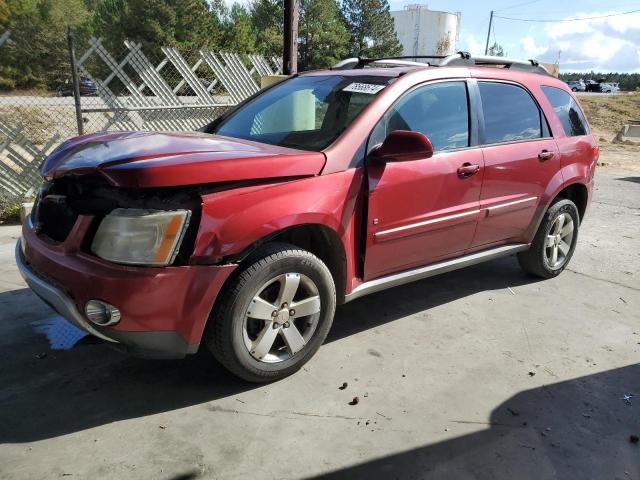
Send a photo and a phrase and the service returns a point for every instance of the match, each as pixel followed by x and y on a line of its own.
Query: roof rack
pixel 457 59
pixel 466 59
pixel 361 62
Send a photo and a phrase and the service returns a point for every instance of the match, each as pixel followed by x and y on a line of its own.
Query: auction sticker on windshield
pixel 370 88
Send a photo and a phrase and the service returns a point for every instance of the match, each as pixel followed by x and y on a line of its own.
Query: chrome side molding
pixel 409 276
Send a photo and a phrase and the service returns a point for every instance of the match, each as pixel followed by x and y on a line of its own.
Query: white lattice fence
pixel 126 91
pixel 21 159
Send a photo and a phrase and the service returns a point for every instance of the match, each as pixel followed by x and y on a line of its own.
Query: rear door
pixel 424 210
pixel 520 158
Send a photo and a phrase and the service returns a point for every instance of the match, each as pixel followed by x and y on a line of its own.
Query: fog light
pixel 101 313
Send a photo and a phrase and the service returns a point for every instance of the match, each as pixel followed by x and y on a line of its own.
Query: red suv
pixel 321 189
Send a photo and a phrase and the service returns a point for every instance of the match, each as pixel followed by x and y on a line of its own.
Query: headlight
pixel 140 237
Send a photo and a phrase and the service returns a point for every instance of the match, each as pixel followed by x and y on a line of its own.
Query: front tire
pixel 554 242
pixel 274 315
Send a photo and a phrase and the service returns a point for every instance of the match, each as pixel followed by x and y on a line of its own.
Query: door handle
pixel 468 169
pixel 545 155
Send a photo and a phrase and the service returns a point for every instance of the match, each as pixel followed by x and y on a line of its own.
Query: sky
pixel 605 44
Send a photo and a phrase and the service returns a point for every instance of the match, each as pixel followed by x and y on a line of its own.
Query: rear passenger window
pixel 568 112
pixel 510 114
pixel 438 110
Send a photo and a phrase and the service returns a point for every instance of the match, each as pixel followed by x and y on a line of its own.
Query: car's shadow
pixel 630 179
pixel 399 302
pixel 60 392
pixel 577 429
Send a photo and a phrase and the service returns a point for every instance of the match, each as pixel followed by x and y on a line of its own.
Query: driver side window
pixel 439 110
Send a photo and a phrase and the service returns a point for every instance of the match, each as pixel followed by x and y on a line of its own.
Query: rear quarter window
pixel 567 110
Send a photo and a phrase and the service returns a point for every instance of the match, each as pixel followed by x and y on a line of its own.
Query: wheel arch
pixel 578 194
pixel 319 239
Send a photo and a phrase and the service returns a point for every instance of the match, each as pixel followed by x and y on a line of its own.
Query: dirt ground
pixel 482 373
pixel 618 156
pixel 606 115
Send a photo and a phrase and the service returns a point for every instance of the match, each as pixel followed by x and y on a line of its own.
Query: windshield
pixel 307 112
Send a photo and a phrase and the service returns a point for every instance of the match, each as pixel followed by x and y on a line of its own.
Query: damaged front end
pixel 62 201
pixel 114 261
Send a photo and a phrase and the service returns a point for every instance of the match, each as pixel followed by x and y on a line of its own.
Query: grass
pixel 38 122
pixel 9 211
pixel 608 113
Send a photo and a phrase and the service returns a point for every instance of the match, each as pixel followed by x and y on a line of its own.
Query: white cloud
pixel 531 48
pixel 604 44
pixel 472 45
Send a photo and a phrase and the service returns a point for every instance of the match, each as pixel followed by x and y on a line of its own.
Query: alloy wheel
pixel 559 240
pixel 281 317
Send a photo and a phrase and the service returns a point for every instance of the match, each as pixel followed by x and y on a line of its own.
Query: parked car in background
pixel 607 87
pixel 87 87
pixel 591 86
pixel 577 85
pixel 321 189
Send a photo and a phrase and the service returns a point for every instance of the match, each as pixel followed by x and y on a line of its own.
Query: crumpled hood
pixel 162 159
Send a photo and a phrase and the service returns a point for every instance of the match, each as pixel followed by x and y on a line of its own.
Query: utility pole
pixel 75 80
pixel 486 46
pixel 290 50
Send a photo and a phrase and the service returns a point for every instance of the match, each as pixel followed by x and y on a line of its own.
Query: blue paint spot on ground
pixel 61 334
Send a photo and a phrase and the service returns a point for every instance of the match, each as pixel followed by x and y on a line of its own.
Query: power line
pixel 522 4
pixel 494 35
pixel 536 11
pixel 537 20
pixel 477 24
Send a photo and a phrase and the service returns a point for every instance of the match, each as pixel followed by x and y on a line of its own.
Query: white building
pixel 426 32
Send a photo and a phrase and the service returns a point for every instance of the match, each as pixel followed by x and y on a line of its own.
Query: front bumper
pixel 55 297
pixel 164 310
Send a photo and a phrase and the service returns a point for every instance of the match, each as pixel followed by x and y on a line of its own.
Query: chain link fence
pixel 166 89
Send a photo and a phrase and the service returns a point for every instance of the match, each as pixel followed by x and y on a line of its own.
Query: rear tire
pixel 255 331
pixel 554 242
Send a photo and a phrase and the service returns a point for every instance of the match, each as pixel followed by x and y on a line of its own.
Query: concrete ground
pixel 482 373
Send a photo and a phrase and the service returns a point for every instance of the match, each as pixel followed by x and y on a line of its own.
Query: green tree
pixel 323 34
pixel 371 28
pixel 198 23
pixel 4 15
pixel 149 22
pixel 267 17
pixel 239 34
pixel 37 56
pixel 496 50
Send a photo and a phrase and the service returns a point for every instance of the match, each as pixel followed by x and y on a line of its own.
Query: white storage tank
pixel 426 32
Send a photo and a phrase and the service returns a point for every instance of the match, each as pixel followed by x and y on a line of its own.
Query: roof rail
pixel 465 59
pixel 361 62
pixel 458 59
pixel 405 60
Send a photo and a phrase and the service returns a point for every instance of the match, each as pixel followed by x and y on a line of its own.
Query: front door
pixel 424 210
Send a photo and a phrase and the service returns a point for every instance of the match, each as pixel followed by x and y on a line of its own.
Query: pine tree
pixel 267 17
pixel 198 23
pixel 239 35
pixel 323 34
pixel 496 50
pixel 371 27
pixel 37 55
pixel 4 15
pixel 150 22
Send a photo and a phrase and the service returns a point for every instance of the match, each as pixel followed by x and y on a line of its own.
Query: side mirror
pixel 402 146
